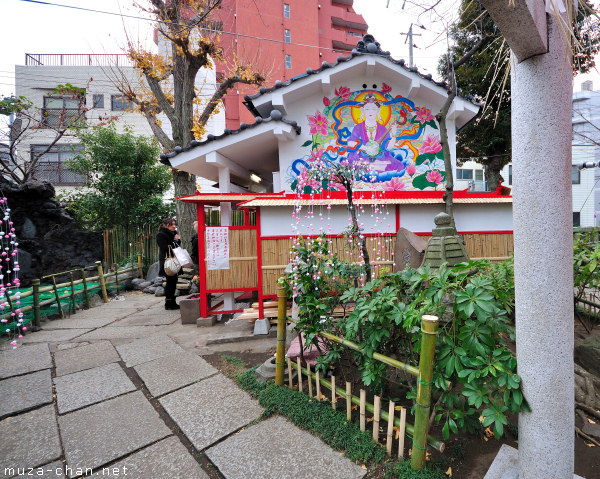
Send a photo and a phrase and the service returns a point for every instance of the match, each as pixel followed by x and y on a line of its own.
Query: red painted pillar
pixel 202 260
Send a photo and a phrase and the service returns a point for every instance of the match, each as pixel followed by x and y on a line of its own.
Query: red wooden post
pixel 261 309
pixel 202 261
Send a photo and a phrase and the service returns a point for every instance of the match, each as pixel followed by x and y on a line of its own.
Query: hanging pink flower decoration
pixel 326 101
pixel 343 92
pixel 411 169
pixel 318 124
pixel 431 144
pixel 423 115
pixel 395 184
pixel 385 88
pixel 434 177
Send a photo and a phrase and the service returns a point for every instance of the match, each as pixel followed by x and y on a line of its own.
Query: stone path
pixel 121 390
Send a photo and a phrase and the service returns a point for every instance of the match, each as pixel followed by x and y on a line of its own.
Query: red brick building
pixel 284 37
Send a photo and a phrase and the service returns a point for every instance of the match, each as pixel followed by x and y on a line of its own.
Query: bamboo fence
pixel 276 253
pixel 67 294
pixel 424 373
pixel 243 261
pixel 122 244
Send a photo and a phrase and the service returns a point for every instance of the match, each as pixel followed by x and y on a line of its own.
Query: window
pixel 575 175
pixel 286 10
pixel 98 101
pixel 61 111
pixel 510 174
pixel 53 165
pixel 462 174
pixel 288 61
pixel 287 36
pixel 576 219
pixel 478 175
pixel 120 103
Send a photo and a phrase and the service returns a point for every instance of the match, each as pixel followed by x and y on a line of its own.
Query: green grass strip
pixel 318 417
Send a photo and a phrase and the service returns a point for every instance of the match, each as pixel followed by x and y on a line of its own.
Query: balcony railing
pixel 77 59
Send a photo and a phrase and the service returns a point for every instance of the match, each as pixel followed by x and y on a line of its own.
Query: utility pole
pixel 409 39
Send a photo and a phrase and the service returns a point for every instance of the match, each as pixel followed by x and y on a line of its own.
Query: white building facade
pixel 99 75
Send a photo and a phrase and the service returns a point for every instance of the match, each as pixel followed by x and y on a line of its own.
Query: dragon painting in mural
pixel 391 135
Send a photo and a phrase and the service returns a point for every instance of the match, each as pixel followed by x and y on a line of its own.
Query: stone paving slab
pixel 25 392
pixel 133 302
pixel 29 440
pixel 91 386
pixel 78 321
pixel 85 357
pixel 147 349
pixel 54 470
pixel 149 318
pixel 53 335
pixel 167 459
pixel 24 359
pixel 210 410
pixel 105 432
pixel 166 374
pixel 130 332
pixel 276 449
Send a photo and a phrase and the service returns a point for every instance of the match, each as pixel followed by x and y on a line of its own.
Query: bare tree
pixel 23 120
pixel 191 36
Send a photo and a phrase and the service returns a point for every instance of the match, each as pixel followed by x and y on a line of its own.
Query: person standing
pixel 167 236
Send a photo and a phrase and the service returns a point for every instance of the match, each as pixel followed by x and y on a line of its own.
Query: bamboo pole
pixel 290 377
pixel 37 320
pixel 102 283
pixel 376 413
pixel 72 291
pixel 351 399
pixel 299 374
pixel 402 432
pixel 281 332
pixel 390 428
pixel 348 401
pixel 60 310
pixel 318 383
pixel 140 269
pixel 333 395
pixel 363 403
pixel 117 277
pixel 309 379
pixel 85 289
pixel 429 326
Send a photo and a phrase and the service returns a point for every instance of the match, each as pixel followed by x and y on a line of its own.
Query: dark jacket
pixel 164 239
pixel 194 254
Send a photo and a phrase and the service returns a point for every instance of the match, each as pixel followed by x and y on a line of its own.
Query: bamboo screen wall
pixel 242 272
pixel 276 253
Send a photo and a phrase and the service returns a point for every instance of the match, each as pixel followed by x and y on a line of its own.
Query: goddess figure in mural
pixel 370 140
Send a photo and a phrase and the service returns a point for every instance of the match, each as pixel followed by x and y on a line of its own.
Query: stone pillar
pixel 543 236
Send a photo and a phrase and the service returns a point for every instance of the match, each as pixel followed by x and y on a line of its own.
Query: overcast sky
pixel 36 28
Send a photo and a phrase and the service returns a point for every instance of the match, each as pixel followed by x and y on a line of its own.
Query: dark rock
pixel 587 354
pixel 48 239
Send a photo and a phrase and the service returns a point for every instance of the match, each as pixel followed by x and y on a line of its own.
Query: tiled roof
pixel 367 45
pixel 275 116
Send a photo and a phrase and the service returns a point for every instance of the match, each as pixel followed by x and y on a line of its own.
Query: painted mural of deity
pixel 393 138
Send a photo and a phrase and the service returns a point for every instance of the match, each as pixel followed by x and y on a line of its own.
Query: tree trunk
pixel 362 241
pixel 493 167
pixel 185 184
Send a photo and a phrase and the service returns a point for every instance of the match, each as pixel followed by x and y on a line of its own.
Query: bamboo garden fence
pixel 59 298
pixel 417 432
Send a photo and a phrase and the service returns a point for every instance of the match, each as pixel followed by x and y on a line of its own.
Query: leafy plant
pixel 126 182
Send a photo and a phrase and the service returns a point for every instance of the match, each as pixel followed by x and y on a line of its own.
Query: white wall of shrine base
pixel 278 220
